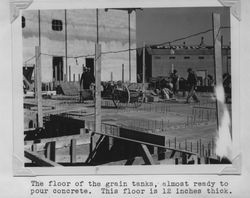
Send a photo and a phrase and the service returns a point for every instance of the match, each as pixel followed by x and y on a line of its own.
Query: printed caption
pixel 95 187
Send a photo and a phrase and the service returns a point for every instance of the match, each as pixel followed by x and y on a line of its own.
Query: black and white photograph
pixel 124 98
pixel 127 86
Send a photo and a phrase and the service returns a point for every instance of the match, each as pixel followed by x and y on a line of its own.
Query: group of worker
pixel 169 90
pixel 87 81
pixel 172 86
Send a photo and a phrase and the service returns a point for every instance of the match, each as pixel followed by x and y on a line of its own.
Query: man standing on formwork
pixel 192 83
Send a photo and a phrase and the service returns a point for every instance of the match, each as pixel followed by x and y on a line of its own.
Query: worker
pixel 192 83
pixel 87 80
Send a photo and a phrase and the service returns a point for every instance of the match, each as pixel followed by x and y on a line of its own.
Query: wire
pixel 132 49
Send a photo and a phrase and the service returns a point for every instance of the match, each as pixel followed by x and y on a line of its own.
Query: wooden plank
pixel 73 151
pixel 39 160
pixel 146 155
pixel 38 88
pixel 97 88
pixel 150 144
pixel 142 136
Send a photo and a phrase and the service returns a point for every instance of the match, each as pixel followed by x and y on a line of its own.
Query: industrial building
pixel 67 40
pixel 162 60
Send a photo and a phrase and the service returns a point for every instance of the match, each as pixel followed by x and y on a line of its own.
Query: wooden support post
pixel 122 72
pixel 69 73
pixel 143 64
pixel 217 59
pixel 98 88
pixel 74 77
pixel 146 155
pixel 38 88
pixel 50 150
pixel 73 151
pixel 111 76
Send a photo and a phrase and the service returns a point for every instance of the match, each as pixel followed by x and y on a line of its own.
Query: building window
pixel 57 25
pixel 186 57
pixel 157 57
pixel 23 22
pixel 172 57
pixel 201 57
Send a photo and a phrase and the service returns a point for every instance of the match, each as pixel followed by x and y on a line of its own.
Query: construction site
pixel 132 113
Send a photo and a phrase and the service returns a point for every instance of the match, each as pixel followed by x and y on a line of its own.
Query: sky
pixel 158 25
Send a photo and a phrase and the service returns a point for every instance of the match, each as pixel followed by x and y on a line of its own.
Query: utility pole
pixel 97 88
pixel 97 24
pixel 123 73
pixel 38 88
pixel 39 28
pixel 66 47
pixel 129 45
pixel 143 65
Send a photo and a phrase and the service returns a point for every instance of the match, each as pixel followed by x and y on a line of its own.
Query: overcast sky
pixel 158 25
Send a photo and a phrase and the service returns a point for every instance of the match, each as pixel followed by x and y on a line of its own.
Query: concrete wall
pixel 81 34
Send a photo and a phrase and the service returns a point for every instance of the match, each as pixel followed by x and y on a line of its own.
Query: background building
pixel 161 61
pixel 78 28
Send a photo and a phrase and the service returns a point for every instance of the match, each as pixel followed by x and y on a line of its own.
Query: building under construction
pixel 124 120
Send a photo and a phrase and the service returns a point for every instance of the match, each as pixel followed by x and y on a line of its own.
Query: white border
pixel 18 154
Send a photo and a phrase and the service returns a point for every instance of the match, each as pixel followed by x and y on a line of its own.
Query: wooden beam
pixel 39 160
pixel 73 151
pixel 146 155
pixel 143 65
pixel 38 88
pixel 150 144
pixel 97 88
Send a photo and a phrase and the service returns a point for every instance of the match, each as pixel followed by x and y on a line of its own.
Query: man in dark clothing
pixel 192 82
pixel 87 79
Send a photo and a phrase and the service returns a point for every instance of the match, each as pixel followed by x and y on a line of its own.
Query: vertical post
pixel 38 88
pixel 122 72
pixel 69 73
pixel 66 47
pixel 217 58
pixel 97 28
pixel 39 28
pixel 73 151
pixel 98 88
pixel 143 66
pixel 129 45
pixel 111 76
